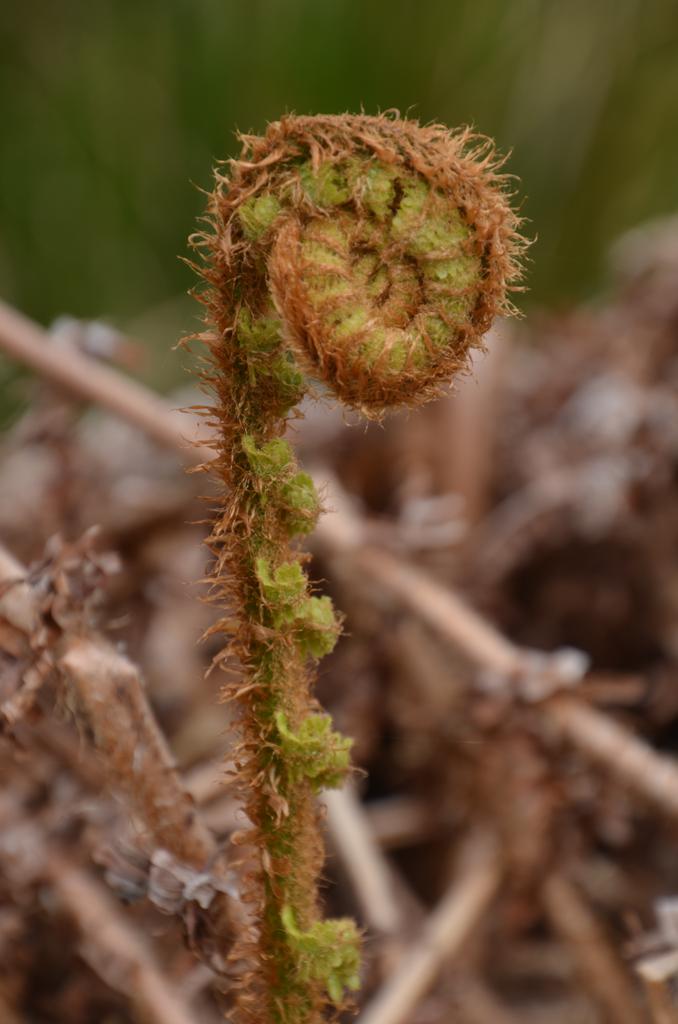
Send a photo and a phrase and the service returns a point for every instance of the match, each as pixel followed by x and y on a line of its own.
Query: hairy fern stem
pixel 369 254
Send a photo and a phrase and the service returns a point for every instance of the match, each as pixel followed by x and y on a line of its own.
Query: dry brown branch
pixel 443 935
pixel 647 773
pixel 467 423
pixel 628 758
pixel 110 944
pixel 127 736
pixel 56 739
pixel 134 750
pixel 341 532
pixel 83 377
pixel 370 875
pixel 16 707
pixel 596 962
pixel 7 1014
pixel 140 767
pixel 20 624
pixel 657 973
pixel 599 738
pixel 115 950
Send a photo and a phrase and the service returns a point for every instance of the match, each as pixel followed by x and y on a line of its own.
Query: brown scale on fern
pixel 369 254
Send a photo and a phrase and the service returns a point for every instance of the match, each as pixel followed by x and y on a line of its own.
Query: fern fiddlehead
pixel 370 254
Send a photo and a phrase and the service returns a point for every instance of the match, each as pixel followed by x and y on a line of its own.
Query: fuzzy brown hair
pixel 460 166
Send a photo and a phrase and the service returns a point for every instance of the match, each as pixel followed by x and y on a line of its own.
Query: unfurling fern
pixel 369 254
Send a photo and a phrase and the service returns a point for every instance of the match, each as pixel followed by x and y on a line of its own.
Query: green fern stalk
pixel 370 254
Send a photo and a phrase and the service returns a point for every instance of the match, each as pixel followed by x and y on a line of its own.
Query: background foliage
pixel 110 109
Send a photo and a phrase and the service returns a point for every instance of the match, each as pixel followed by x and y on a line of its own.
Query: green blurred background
pixel 113 111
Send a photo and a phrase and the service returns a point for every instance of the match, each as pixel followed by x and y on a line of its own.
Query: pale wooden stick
pixel 628 758
pixel 442 609
pixel 598 966
pixel 443 935
pixel 206 782
pixel 17 603
pixel 115 950
pixel 342 533
pixel 370 875
pixel 466 423
pixel 647 773
pixel 392 821
pixel 656 973
pixel 225 815
pixel 83 377
pixel 20 626
pixel 401 820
